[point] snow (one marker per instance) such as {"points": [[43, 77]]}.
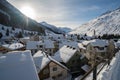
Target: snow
{"points": [[12, 33], [48, 43], [117, 44], [41, 60], [17, 65], [70, 43], [51, 27], [86, 68], [105, 24], [33, 44], [112, 71], [81, 46], [64, 54], [13, 46], [96, 42], [79, 77]]}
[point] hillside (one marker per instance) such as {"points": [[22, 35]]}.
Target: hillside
{"points": [[10, 32], [55, 29], [10, 16], [107, 23]]}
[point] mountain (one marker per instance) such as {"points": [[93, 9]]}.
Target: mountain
{"points": [[11, 16], [65, 29], [107, 23], [54, 28]]}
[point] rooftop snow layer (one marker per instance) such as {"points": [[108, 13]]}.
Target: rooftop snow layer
{"points": [[112, 72], [64, 54], [13, 46], [41, 60], [96, 42], [17, 65]]}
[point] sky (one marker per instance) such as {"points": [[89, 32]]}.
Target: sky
{"points": [[67, 13]]}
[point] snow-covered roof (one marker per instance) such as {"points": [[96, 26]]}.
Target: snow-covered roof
{"points": [[25, 38], [70, 43], [80, 45], [17, 65], [96, 42], [64, 54], [86, 42], [86, 68], [13, 46], [48, 43], [41, 60], [117, 44], [112, 72], [79, 77], [33, 44]]}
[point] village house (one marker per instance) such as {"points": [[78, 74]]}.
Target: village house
{"points": [[98, 49], [50, 69], [12, 47], [17, 65], [49, 46], [70, 57], [34, 46]]}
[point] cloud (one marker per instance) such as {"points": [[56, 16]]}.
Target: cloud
{"points": [[66, 12]]}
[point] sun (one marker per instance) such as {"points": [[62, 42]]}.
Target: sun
{"points": [[28, 11]]}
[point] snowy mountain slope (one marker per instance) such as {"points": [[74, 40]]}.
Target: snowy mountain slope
{"points": [[51, 27], [11, 16], [65, 29], [54, 28], [12, 33], [107, 23]]}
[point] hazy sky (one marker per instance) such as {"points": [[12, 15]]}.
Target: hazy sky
{"points": [[68, 13]]}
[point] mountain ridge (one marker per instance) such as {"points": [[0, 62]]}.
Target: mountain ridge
{"points": [[108, 23], [59, 30]]}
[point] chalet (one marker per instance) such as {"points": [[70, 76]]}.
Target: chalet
{"points": [[99, 48], [50, 69], [49, 46], [70, 57], [34, 46], [69, 43], [12, 47], [17, 65]]}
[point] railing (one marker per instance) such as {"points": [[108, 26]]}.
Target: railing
{"points": [[83, 78]]}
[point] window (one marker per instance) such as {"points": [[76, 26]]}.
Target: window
{"points": [[101, 48], [54, 68]]}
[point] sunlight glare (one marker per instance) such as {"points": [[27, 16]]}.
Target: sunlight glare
{"points": [[28, 11]]}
